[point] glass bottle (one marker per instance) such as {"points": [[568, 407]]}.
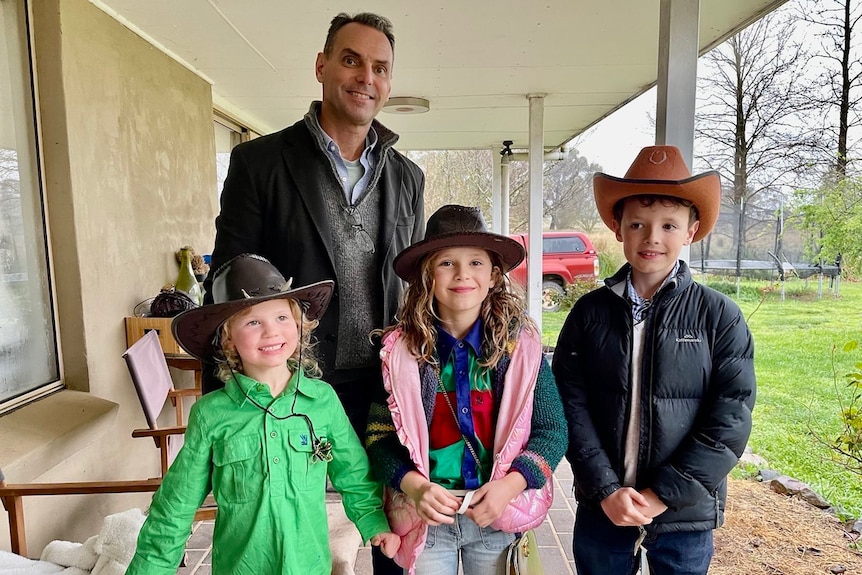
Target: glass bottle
{"points": [[186, 280]]}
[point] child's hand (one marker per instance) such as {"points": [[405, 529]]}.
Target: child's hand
{"points": [[434, 504], [625, 507], [491, 499], [388, 542]]}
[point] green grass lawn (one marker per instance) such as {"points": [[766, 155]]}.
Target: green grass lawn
{"points": [[797, 390]]}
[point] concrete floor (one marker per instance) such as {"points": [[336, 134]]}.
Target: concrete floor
{"points": [[554, 536]]}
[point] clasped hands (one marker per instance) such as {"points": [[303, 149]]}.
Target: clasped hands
{"points": [[627, 507], [436, 505]]}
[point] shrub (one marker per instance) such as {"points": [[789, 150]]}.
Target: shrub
{"points": [[611, 257], [574, 292], [609, 263], [848, 444], [747, 291]]}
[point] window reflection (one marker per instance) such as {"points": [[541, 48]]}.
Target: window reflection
{"points": [[28, 354]]}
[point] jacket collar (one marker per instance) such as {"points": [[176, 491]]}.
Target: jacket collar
{"points": [[617, 282], [386, 138]]}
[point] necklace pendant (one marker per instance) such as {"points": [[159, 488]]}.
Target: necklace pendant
{"points": [[321, 450]]}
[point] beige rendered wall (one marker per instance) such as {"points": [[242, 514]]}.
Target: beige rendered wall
{"points": [[129, 160]]}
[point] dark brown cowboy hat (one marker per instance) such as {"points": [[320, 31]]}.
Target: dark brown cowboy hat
{"points": [[661, 171], [457, 226], [242, 282]]}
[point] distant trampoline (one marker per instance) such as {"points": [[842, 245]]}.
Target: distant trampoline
{"points": [[769, 269]]}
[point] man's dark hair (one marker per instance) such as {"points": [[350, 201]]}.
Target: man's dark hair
{"points": [[379, 23], [646, 200]]}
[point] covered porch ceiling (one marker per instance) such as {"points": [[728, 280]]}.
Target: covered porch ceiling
{"points": [[474, 61]]}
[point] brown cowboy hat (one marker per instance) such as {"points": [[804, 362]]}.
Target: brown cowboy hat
{"points": [[661, 171], [457, 226], [242, 282]]}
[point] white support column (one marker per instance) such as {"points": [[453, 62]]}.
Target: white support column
{"points": [[535, 213], [505, 199], [496, 192], [679, 23]]}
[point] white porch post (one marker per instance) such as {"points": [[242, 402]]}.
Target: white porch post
{"points": [[679, 23], [535, 213], [505, 198], [496, 192]]}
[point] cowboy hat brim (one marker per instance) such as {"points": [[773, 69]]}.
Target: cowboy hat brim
{"points": [[195, 329], [702, 190], [511, 252]]}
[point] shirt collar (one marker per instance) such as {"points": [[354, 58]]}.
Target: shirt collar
{"points": [[333, 149], [312, 119], [241, 386], [445, 342], [641, 304]]}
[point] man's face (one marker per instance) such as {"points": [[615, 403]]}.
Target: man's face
{"points": [[355, 75]]}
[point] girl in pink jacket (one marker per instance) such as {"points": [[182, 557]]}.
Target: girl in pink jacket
{"points": [[473, 425]]}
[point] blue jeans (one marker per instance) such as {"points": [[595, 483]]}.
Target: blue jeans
{"points": [[482, 549], [602, 548]]}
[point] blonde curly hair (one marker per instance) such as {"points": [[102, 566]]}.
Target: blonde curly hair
{"points": [[503, 314], [229, 362]]}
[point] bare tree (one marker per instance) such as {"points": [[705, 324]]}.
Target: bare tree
{"points": [[835, 22], [568, 195], [456, 177], [750, 123], [464, 177], [832, 210], [11, 220]]}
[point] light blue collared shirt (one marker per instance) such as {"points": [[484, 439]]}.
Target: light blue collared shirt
{"points": [[368, 160]]}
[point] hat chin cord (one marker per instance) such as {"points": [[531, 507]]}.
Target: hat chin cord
{"points": [[321, 449]]}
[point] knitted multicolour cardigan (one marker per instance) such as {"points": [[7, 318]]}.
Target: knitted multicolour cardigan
{"points": [[536, 420], [547, 445]]}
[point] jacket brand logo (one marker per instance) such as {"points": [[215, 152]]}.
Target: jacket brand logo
{"points": [[303, 439], [688, 338]]}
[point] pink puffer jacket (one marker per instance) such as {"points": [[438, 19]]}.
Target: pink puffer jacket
{"points": [[401, 380]]}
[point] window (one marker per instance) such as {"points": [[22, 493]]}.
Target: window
{"points": [[567, 245], [29, 364], [228, 134]]}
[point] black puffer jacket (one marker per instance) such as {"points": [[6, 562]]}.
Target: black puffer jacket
{"points": [[697, 393]]}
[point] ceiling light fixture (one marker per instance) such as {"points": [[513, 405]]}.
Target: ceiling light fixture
{"points": [[407, 105]]}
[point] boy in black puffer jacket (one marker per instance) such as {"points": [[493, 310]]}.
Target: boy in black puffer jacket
{"points": [[656, 373]]}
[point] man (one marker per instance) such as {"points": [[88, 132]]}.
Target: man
{"points": [[329, 198]]}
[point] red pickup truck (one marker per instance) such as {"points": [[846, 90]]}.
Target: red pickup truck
{"points": [[566, 257]]}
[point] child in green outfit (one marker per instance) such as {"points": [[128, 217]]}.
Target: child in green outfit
{"points": [[266, 442]]}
